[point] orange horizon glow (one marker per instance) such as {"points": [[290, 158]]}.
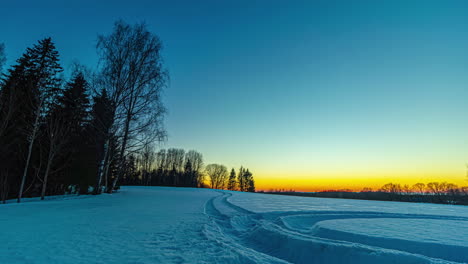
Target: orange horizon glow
{"points": [[312, 184]]}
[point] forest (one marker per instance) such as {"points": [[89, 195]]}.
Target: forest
{"points": [[88, 130]]}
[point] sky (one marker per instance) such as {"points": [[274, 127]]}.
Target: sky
{"points": [[309, 95]]}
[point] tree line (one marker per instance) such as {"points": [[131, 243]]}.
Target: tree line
{"points": [[432, 192], [62, 135], [176, 167]]}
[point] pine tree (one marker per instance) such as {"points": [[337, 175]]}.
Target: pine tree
{"points": [[250, 181], [232, 180], [74, 103], [188, 173], [40, 67], [74, 106], [241, 179]]}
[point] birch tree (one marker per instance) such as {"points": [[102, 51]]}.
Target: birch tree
{"points": [[133, 74]]}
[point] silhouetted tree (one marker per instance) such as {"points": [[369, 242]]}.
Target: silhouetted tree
{"points": [[133, 74], [250, 181], [188, 174], [41, 67], [217, 174], [57, 131], [419, 187], [241, 180], [196, 160], [232, 180], [147, 157], [103, 139]]}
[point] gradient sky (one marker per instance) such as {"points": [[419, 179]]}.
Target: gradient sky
{"points": [[307, 94]]}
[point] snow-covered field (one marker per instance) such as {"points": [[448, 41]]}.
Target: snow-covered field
{"points": [[184, 225]]}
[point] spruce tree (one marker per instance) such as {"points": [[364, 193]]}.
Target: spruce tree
{"points": [[188, 174], [250, 183], [241, 179], [74, 103], [74, 106], [232, 180], [41, 69]]}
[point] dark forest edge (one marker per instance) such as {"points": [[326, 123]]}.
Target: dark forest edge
{"points": [[432, 192], [96, 129], [177, 168]]}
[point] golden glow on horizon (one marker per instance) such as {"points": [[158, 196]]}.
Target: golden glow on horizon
{"points": [[355, 183]]}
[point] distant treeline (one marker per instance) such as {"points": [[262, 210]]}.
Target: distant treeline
{"points": [[433, 192], [176, 167]]}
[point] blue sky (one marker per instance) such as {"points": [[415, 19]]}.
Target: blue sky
{"points": [[292, 89]]}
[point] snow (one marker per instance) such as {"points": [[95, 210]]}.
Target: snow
{"points": [[186, 225]]}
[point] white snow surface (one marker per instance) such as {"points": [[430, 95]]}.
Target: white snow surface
{"points": [[186, 225]]}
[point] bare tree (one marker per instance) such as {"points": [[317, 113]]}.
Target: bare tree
{"points": [[147, 158], [218, 175], [133, 74], [437, 188], [175, 163], [391, 188], [419, 187]]}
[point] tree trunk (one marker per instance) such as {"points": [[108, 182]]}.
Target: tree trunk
{"points": [[4, 187], [44, 183], [102, 168], [122, 155], [28, 158]]}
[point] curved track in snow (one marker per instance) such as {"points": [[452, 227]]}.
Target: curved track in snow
{"points": [[316, 236]]}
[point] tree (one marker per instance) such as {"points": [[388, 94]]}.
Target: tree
{"points": [[196, 160], [133, 73], [188, 173], [147, 157], [78, 154], [57, 132], [241, 179], [250, 181], [406, 189], [75, 104], [436, 188], [232, 180], [41, 66], [100, 131], [419, 187], [218, 175]]}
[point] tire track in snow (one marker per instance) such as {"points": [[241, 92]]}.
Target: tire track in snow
{"points": [[273, 235]]}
